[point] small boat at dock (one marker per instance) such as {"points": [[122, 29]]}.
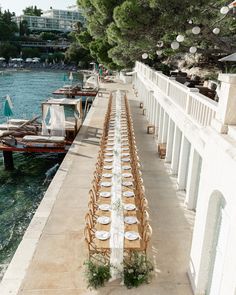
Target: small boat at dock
{"points": [[55, 133]]}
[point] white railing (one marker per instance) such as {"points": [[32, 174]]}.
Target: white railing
{"points": [[199, 107]]}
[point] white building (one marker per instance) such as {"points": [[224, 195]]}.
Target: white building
{"points": [[200, 138], [53, 20]]}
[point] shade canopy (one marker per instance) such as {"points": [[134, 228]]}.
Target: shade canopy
{"points": [[231, 57], [7, 111]]}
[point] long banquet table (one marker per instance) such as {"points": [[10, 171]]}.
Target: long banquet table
{"points": [[118, 216]]}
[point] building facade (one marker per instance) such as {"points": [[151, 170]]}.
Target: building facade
{"points": [[200, 138], [53, 20]]}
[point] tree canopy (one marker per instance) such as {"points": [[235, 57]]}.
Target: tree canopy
{"points": [[8, 28], [32, 10], [118, 32]]}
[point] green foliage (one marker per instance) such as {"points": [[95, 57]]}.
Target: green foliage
{"points": [[32, 10], [8, 50], [131, 27], [77, 55], [48, 36], [8, 28], [97, 273], [137, 270], [30, 52], [24, 30]]}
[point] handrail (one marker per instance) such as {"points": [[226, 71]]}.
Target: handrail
{"points": [[199, 107]]}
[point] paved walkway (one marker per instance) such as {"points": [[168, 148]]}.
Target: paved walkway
{"points": [[57, 264]]}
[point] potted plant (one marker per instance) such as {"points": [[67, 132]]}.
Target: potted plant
{"points": [[97, 272], [137, 270]]}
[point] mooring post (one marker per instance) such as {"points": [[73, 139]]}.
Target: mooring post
{"points": [[8, 160]]}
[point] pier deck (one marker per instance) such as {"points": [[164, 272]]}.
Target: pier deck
{"points": [[49, 261]]}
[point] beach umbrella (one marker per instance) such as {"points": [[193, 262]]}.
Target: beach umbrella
{"points": [[7, 109], [71, 76], [231, 57], [2, 59], [228, 58], [29, 59]]}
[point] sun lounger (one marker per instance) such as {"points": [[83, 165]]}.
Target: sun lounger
{"points": [[44, 139]]}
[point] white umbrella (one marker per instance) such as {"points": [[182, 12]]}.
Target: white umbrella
{"points": [[19, 59], [29, 59], [71, 76], [2, 59], [231, 57]]}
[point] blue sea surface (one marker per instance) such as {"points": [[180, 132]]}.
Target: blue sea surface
{"points": [[22, 190]]}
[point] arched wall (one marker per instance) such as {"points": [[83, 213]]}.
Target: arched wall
{"points": [[216, 192]]}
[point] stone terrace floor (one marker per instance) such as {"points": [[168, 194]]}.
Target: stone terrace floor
{"points": [[57, 264]]}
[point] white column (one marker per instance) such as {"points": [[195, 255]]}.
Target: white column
{"points": [[160, 125], [194, 171], [154, 108], [145, 95], [165, 128], [170, 138], [148, 105], [183, 163], [225, 114], [157, 115], [176, 150]]}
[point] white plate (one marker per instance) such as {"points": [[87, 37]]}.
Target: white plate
{"points": [[127, 183], [132, 235], [125, 149], [102, 235], [110, 144], [126, 167], [106, 184], [128, 194], [105, 207], [107, 175], [107, 167], [108, 154], [108, 160], [130, 219], [105, 194], [109, 149], [125, 154], [125, 160], [129, 207], [107, 220], [126, 175]]}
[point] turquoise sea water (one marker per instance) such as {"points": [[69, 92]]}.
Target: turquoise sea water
{"points": [[22, 189]]}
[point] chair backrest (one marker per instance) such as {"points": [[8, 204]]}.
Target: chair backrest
{"points": [[147, 233], [89, 220], [87, 234]]}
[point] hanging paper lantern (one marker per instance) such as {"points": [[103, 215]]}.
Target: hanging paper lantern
{"points": [[190, 21], [193, 49], [196, 30], [180, 38], [160, 44], [175, 45], [224, 10], [216, 31], [144, 56], [159, 52]]}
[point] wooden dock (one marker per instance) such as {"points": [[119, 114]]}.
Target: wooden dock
{"points": [[73, 92]]}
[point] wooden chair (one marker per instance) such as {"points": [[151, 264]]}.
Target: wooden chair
{"points": [[147, 233]]}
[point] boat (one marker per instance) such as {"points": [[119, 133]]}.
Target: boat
{"points": [[55, 133]]}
